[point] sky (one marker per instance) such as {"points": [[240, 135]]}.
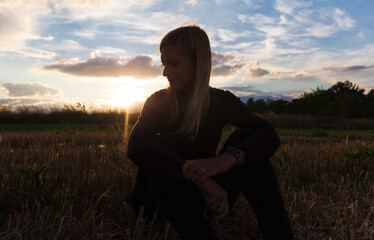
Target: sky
{"points": [[103, 53]]}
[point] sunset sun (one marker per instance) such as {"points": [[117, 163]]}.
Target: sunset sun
{"points": [[126, 96]]}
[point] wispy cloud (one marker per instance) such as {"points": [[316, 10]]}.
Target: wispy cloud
{"points": [[354, 68], [21, 101], [192, 2], [140, 66], [226, 35], [31, 52], [257, 18], [243, 90], [109, 50], [288, 6], [342, 19], [86, 33]]}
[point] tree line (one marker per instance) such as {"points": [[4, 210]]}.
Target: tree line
{"points": [[343, 100]]}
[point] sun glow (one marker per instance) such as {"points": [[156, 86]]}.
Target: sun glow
{"points": [[126, 96]]}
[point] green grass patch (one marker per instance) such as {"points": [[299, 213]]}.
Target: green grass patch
{"points": [[328, 133], [60, 128]]}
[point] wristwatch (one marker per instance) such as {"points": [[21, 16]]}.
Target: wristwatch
{"points": [[237, 153]]}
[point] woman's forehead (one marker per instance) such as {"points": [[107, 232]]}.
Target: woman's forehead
{"points": [[171, 51]]}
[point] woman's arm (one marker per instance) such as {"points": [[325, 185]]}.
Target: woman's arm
{"points": [[261, 143], [215, 197], [144, 148], [264, 140]]}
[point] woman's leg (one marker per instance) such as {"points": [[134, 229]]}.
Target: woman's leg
{"points": [[182, 204], [142, 197], [179, 200], [259, 185]]}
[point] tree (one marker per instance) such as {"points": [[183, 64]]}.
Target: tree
{"points": [[259, 105], [343, 99]]}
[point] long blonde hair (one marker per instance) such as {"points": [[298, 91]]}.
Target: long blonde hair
{"points": [[194, 42]]}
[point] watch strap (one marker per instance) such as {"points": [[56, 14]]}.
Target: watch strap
{"points": [[237, 153]]}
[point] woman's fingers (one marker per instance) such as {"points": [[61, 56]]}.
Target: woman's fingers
{"points": [[195, 171], [202, 178], [221, 210], [199, 170], [186, 166], [219, 206], [197, 175]]}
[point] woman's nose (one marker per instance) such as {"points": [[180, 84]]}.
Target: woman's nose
{"points": [[165, 72]]}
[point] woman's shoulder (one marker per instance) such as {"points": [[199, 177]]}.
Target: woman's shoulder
{"points": [[158, 97], [160, 94], [156, 101], [222, 95]]}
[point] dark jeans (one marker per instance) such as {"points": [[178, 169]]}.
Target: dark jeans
{"points": [[182, 204]]}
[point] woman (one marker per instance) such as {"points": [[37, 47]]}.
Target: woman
{"points": [[175, 140]]}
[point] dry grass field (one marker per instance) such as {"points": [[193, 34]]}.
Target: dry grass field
{"points": [[56, 185]]}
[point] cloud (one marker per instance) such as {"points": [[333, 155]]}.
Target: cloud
{"points": [[27, 89], [320, 30], [293, 31], [304, 74], [257, 18], [17, 27], [255, 71], [64, 46], [226, 35], [241, 91], [40, 6], [140, 66], [20, 101], [259, 72], [252, 3], [288, 6], [97, 9], [192, 2], [353, 68], [342, 19], [107, 50], [245, 88], [225, 70], [35, 53], [223, 64], [220, 58], [18, 22], [88, 33]]}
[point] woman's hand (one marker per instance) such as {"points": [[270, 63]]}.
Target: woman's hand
{"points": [[199, 170], [215, 197]]}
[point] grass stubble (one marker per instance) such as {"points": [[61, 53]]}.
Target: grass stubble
{"points": [[72, 186]]}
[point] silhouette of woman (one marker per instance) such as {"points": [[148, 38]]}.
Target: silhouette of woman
{"points": [[174, 144]]}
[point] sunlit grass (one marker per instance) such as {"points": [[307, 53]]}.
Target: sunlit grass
{"points": [[72, 186]]}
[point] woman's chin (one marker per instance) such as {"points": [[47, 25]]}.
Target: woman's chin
{"points": [[175, 88], [180, 88]]}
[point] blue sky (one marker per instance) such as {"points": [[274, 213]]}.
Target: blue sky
{"points": [[103, 53]]}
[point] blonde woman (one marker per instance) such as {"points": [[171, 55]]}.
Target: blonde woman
{"points": [[175, 140]]}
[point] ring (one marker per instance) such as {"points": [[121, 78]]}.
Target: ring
{"points": [[202, 170]]}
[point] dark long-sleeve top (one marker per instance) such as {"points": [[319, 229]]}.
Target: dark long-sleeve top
{"points": [[224, 108]]}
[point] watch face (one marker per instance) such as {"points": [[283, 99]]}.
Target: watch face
{"points": [[235, 151]]}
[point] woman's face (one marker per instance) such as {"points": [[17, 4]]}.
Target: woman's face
{"points": [[178, 68]]}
